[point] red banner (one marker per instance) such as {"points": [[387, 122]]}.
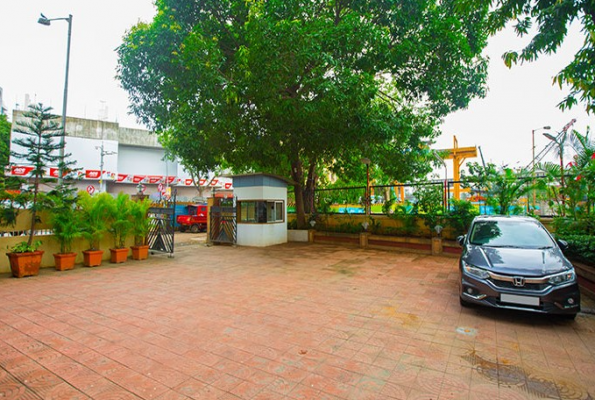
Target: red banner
{"points": [[154, 178], [21, 171], [92, 174], [122, 177], [138, 178]]}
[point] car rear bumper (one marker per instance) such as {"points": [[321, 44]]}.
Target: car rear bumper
{"points": [[564, 299]]}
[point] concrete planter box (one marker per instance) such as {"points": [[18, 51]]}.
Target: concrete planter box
{"points": [[586, 278], [400, 243], [337, 237], [297, 235], [410, 244]]}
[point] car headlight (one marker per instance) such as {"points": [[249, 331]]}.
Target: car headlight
{"points": [[564, 277], [475, 271]]}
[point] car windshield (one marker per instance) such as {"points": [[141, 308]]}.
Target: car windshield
{"points": [[511, 233]]}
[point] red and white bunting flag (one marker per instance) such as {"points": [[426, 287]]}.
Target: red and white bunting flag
{"points": [[18, 170], [138, 178], [92, 174]]}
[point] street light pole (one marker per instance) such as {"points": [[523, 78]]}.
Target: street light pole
{"points": [[103, 153], [43, 20], [560, 144], [547, 127]]}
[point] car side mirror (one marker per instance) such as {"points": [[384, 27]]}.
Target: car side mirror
{"points": [[563, 244], [461, 240]]}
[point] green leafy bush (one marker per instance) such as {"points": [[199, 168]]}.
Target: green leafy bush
{"points": [[580, 248], [141, 223], [93, 217], [25, 247], [460, 215]]}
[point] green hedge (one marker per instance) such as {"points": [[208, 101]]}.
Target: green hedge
{"points": [[580, 248]]}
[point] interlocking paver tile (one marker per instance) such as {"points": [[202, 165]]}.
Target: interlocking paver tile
{"points": [[295, 321]]}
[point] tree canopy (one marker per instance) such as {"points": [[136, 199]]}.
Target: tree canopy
{"points": [[552, 20], [290, 86]]}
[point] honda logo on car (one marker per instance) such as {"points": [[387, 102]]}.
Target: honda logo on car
{"points": [[518, 281]]}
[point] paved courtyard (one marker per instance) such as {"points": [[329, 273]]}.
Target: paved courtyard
{"points": [[295, 321]]}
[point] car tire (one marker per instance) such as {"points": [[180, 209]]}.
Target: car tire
{"points": [[568, 317], [182, 229], [194, 228]]}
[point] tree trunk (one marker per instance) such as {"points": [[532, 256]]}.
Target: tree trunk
{"points": [[297, 174], [310, 189], [33, 211]]}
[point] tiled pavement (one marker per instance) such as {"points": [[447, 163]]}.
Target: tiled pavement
{"points": [[294, 321]]}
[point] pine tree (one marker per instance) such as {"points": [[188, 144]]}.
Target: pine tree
{"points": [[38, 146]]}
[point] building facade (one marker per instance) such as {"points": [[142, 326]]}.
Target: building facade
{"points": [[116, 159]]}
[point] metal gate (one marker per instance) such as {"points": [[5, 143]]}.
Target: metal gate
{"points": [[163, 218], [223, 221]]}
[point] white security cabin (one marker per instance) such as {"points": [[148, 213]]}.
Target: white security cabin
{"points": [[261, 209]]}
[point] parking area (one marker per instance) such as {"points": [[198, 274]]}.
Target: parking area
{"points": [[295, 321]]}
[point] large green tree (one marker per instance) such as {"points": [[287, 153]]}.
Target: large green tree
{"points": [[548, 21], [290, 86]]}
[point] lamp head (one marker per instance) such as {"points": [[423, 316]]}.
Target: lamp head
{"points": [[550, 137], [547, 127], [365, 160], [43, 20]]}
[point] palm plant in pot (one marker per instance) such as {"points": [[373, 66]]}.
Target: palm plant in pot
{"points": [[141, 224], [35, 146], [119, 225], [93, 210], [66, 225]]}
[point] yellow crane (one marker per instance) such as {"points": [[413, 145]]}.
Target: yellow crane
{"points": [[458, 155]]}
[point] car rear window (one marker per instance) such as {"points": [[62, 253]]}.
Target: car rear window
{"points": [[510, 234]]}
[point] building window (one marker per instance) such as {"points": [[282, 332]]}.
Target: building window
{"points": [[261, 211]]}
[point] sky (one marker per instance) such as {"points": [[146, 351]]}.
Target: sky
{"points": [[33, 59]]}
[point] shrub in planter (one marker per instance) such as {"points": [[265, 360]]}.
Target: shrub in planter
{"points": [[66, 225], [93, 211], [580, 248], [141, 224], [460, 216], [119, 225], [34, 144], [25, 259]]}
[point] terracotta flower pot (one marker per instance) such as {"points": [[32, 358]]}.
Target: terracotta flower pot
{"points": [[64, 261], [140, 252], [92, 258], [25, 264], [118, 255]]}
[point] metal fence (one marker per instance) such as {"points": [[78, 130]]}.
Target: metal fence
{"points": [[352, 200]]}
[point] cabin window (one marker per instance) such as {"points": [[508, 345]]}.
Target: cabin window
{"points": [[262, 211]]}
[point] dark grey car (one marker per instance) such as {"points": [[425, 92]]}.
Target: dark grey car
{"points": [[513, 262]]}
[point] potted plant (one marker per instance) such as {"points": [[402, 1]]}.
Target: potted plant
{"points": [[36, 146], [93, 211], [141, 224], [25, 259], [119, 225], [67, 227]]}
